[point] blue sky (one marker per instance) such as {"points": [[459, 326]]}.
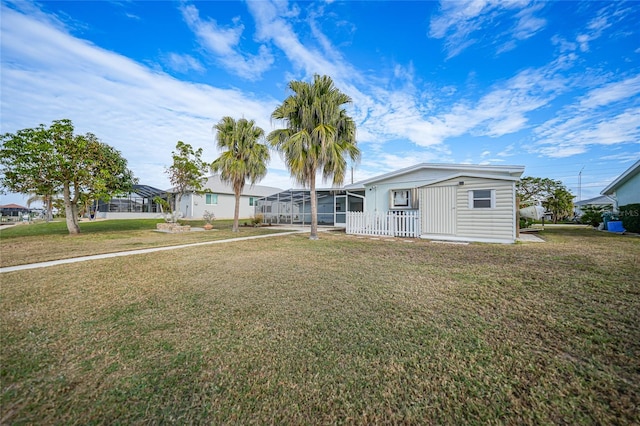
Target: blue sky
{"points": [[553, 86]]}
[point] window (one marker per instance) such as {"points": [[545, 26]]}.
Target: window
{"points": [[211, 199], [252, 201], [482, 199], [400, 199]]}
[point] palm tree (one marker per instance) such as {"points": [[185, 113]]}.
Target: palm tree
{"points": [[243, 157], [47, 202], [318, 135]]}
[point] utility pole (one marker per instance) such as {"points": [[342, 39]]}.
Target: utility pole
{"points": [[580, 184]]}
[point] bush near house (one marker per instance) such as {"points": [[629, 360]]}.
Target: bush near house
{"points": [[592, 215], [630, 215]]}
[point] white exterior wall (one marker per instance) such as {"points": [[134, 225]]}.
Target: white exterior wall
{"points": [[629, 192], [377, 194], [193, 206], [495, 224]]}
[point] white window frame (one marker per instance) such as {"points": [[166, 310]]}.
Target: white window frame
{"points": [[252, 201], [473, 198], [407, 196], [211, 197]]}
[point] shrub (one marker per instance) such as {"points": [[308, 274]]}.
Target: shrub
{"points": [[630, 215], [257, 220], [208, 216], [592, 215], [525, 223]]}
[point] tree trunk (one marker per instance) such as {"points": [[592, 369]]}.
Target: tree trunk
{"points": [[314, 208], [236, 213], [49, 204], [71, 211]]}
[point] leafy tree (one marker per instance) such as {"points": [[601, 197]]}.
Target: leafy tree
{"points": [[186, 172], [535, 190], [550, 193], [51, 160], [243, 157], [559, 203], [318, 135]]}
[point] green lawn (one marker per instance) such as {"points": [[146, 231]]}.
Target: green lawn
{"points": [[42, 242], [340, 330]]}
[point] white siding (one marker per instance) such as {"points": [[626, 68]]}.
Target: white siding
{"points": [[496, 224], [223, 210], [438, 207]]}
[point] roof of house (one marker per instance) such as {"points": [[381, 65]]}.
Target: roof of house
{"points": [[622, 179], [598, 201], [457, 170], [215, 184], [13, 206]]}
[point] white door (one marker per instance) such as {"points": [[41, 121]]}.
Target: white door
{"points": [[439, 210]]}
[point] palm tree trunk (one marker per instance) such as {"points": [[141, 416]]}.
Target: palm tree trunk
{"points": [[314, 208], [236, 213]]}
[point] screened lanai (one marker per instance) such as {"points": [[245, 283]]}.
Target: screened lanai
{"points": [[293, 207], [140, 200]]}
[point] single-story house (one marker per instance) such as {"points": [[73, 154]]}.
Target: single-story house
{"points": [[625, 189], [220, 199], [14, 212], [603, 201], [455, 202]]}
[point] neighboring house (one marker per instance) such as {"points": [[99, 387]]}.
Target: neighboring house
{"points": [[626, 188], [219, 199], [455, 202], [13, 212], [604, 201], [138, 204]]}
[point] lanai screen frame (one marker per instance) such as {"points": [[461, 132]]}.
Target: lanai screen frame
{"points": [[293, 206]]}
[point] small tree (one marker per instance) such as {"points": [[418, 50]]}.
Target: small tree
{"points": [[559, 203], [47, 161], [592, 215], [186, 172], [244, 157]]}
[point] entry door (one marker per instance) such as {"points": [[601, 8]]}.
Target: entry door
{"points": [[340, 209], [439, 210]]}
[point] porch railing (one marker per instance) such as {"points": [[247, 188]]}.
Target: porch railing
{"points": [[393, 224]]}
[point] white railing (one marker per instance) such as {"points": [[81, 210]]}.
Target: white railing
{"points": [[393, 224]]}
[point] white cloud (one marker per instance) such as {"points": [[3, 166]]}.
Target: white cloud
{"points": [[457, 21], [183, 63], [223, 43], [140, 112], [272, 26], [606, 115], [612, 92]]}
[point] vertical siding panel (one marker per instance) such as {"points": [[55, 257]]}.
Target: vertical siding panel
{"points": [[439, 210]]}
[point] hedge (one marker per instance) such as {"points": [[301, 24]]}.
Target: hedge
{"points": [[630, 216]]}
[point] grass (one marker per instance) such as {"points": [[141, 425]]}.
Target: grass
{"points": [[42, 242], [340, 330]]}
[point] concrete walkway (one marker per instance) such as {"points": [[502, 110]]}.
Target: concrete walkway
{"points": [[140, 251]]}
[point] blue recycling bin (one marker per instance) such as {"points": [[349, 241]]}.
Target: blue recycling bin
{"points": [[608, 217], [615, 226]]}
